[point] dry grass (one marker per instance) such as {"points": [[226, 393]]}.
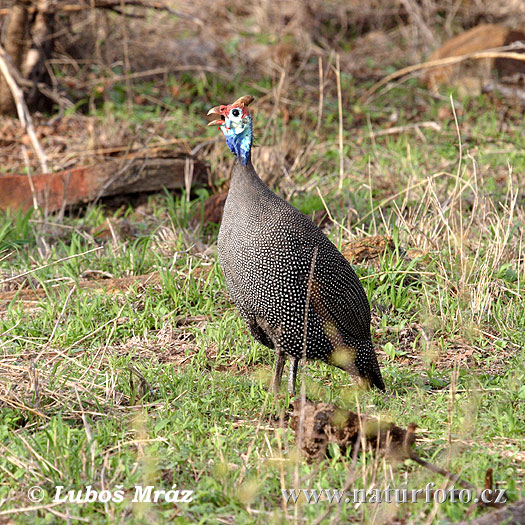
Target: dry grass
{"points": [[134, 356]]}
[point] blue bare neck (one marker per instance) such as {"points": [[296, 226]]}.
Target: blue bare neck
{"points": [[240, 144]]}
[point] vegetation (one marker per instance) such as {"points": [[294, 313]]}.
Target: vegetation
{"points": [[113, 380]]}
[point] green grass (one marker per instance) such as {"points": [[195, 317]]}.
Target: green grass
{"points": [[162, 385]]}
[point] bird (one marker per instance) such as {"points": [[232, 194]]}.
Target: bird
{"points": [[297, 293]]}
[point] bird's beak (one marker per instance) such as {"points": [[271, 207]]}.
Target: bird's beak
{"points": [[216, 112]]}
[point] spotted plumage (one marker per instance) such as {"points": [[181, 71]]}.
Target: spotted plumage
{"points": [[268, 250]]}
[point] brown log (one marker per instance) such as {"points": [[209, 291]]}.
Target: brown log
{"points": [[510, 514], [80, 185]]}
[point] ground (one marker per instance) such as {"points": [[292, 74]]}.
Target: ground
{"points": [[125, 364]]}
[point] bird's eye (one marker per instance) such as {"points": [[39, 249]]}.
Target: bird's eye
{"points": [[235, 112]]}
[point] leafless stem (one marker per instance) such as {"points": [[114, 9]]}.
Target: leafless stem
{"points": [[501, 52], [51, 264], [112, 5], [300, 430], [340, 109], [7, 68]]}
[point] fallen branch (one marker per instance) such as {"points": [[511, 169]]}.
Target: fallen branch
{"points": [[47, 265], [410, 438], [9, 71], [45, 90], [506, 91], [401, 129], [148, 73], [113, 5], [511, 513]]}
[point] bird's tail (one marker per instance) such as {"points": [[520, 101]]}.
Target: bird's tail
{"points": [[359, 358], [367, 364]]}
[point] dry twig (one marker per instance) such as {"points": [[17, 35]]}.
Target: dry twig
{"points": [[7, 68], [493, 53], [113, 5]]}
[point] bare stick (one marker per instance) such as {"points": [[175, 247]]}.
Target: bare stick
{"points": [[7, 68], [445, 473], [401, 129], [44, 89], [149, 73], [73, 289], [506, 91], [50, 264], [112, 4], [430, 466], [442, 62], [21, 510], [30, 178], [340, 110], [300, 430]]}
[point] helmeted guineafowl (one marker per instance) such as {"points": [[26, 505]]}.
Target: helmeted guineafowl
{"points": [[276, 261]]}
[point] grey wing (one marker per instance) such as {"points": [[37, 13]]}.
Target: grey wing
{"points": [[258, 333], [343, 298], [342, 293]]}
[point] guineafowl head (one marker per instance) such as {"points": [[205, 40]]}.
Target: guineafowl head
{"points": [[235, 121]]}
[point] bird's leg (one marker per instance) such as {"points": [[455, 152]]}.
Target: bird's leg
{"points": [[292, 376], [278, 371]]}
